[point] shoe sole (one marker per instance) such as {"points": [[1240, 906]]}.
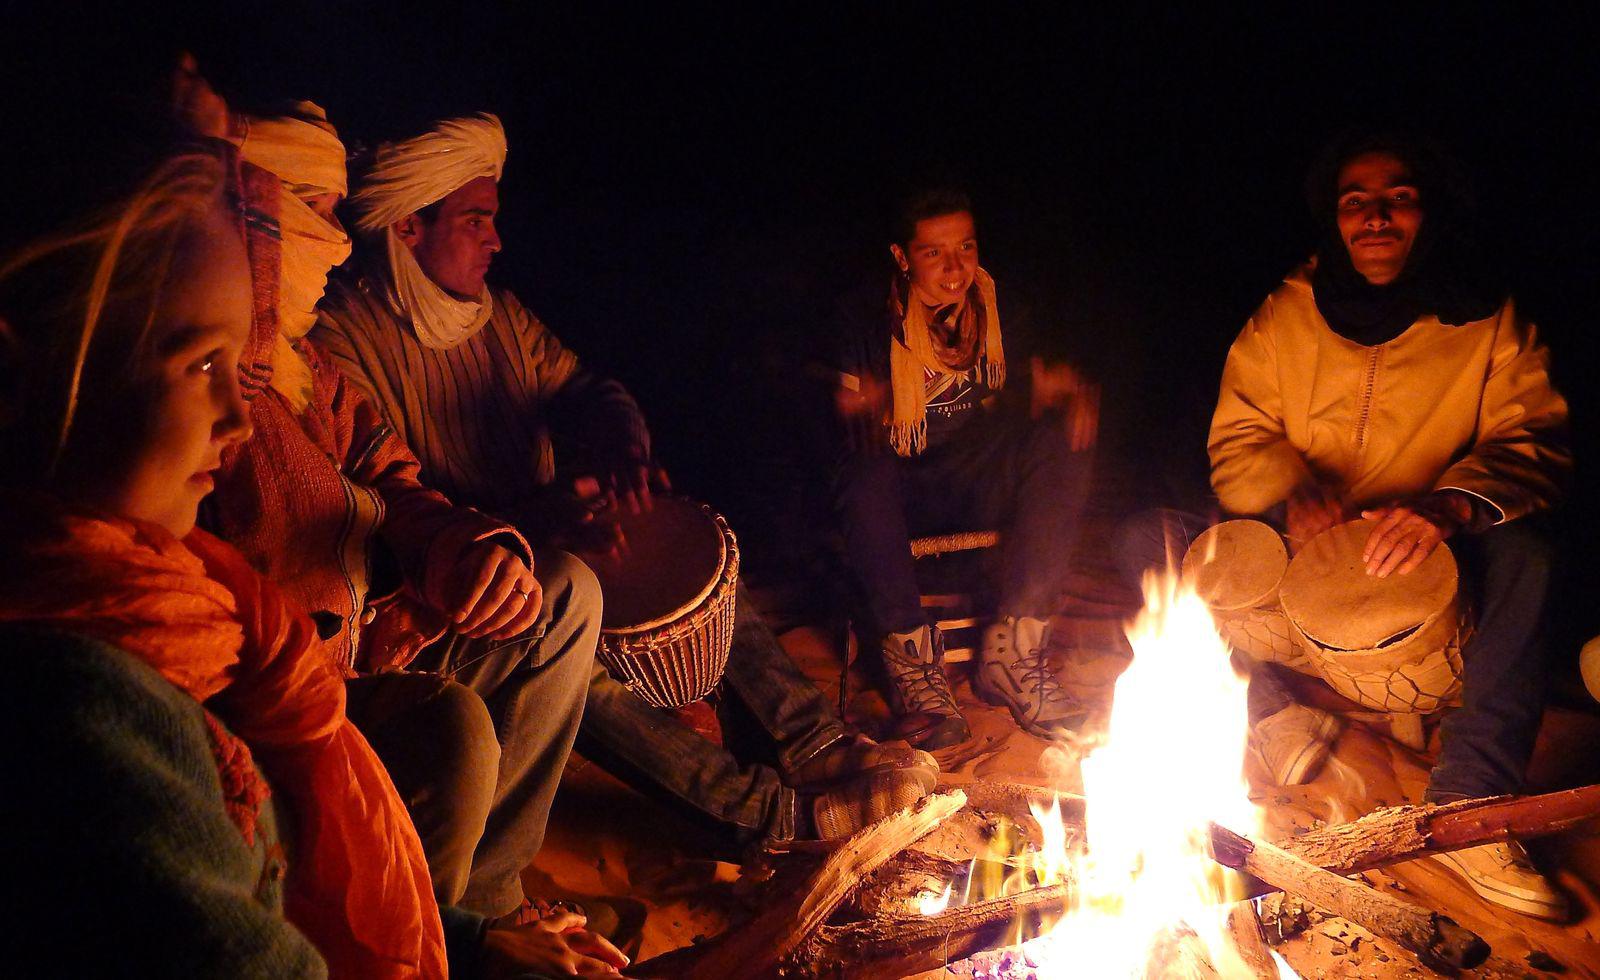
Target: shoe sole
{"points": [[950, 731], [1486, 890]]}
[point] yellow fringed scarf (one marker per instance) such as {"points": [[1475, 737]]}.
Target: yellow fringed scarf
{"points": [[914, 351]]}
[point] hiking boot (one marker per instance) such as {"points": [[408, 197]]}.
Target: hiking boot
{"points": [[850, 756], [919, 693], [867, 799], [1294, 743], [1503, 875], [1014, 672]]}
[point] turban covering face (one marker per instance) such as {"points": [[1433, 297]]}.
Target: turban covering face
{"points": [[303, 150], [408, 176]]}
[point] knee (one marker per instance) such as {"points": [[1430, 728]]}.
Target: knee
{"points": [[1519, 549], [570, 586], [458, 724], [864, 476]]}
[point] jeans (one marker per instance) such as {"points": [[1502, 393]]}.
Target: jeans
{"points": [[1487, 742], [1505, 573], [476, 734], [1004, 473], [656, 754]]}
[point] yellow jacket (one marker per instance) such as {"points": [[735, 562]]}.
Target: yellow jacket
{"points": [[1468, 407]]}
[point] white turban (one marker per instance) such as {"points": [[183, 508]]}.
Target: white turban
{"points": [[408, 176]]}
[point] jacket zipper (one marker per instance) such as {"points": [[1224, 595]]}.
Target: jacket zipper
{"points": [[1367, 385]]}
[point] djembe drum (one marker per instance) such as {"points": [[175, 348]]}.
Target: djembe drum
{"points": [[1236, 567], [1392, 644], [669, 601]]}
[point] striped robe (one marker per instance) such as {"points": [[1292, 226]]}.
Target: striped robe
{"points": [[478, 416]]}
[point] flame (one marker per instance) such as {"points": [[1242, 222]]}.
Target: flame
{"points": [[930, 904], [1172, 763], [1285, 971]]}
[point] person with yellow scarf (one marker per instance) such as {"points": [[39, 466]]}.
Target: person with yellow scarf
{"points": [[931, 447]]}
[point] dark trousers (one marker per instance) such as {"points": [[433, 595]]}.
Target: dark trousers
{"points": [[999, 472], [1505, 573], [655, 753], [477, 733]]}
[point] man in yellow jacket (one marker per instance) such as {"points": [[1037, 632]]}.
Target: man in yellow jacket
{"points": [[1388, 378]]}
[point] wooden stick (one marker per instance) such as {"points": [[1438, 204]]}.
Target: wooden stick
{"points": [[1244, 927], [1437, 939], [757, 948], [1396, 834]]}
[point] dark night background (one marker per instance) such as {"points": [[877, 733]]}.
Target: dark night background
{"points": [[689, 190]]}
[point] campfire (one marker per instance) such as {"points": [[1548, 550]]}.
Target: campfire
{"points": [[1148, 872], [1171, 767]]}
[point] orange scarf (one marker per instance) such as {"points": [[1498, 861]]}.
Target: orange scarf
{"points": [[194, 611]]}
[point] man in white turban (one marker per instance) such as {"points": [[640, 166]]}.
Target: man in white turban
{"points": [[475, 384], [324, 498]]}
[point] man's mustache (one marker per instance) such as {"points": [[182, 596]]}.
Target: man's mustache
{"points": [[1376, 236]]}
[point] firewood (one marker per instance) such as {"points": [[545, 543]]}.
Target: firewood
{"points": [[1396, 834], [895, 946], [762, 945], [1435, 938], [1249, 941]]}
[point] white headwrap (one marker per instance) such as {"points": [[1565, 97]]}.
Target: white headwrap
{"points": [[408, 176]]}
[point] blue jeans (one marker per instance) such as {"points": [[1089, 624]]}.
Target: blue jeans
{"points": [[476, 735], [656, 754], [1505, 572], [1003, 473]]}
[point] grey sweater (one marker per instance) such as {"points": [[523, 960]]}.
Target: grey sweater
{"points": [[119, 857]]}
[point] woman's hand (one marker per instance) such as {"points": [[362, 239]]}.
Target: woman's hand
{"points": [[491, 592], [557, 945]]}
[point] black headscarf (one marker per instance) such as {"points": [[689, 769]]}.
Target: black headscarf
{"points": [[1444, 275]]}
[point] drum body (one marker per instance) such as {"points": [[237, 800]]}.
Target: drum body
{"points": [[1236, 567], [669, 602], [1392, 644]]}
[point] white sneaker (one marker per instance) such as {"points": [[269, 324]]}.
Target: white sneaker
{"points": [[1294, 743], [1504, 875]]}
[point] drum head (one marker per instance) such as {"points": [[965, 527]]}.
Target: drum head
{"points": [[670, 561], [1236, 564], [1330, 596]]}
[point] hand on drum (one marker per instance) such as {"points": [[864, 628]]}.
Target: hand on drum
{"points": [[1312, 508], [491, 592], [630, 484], [1408, 532]]}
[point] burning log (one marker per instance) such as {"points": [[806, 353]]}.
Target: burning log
{"points": [[762, 945], [898, 945], [1396, 834], [1435, 938]]}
